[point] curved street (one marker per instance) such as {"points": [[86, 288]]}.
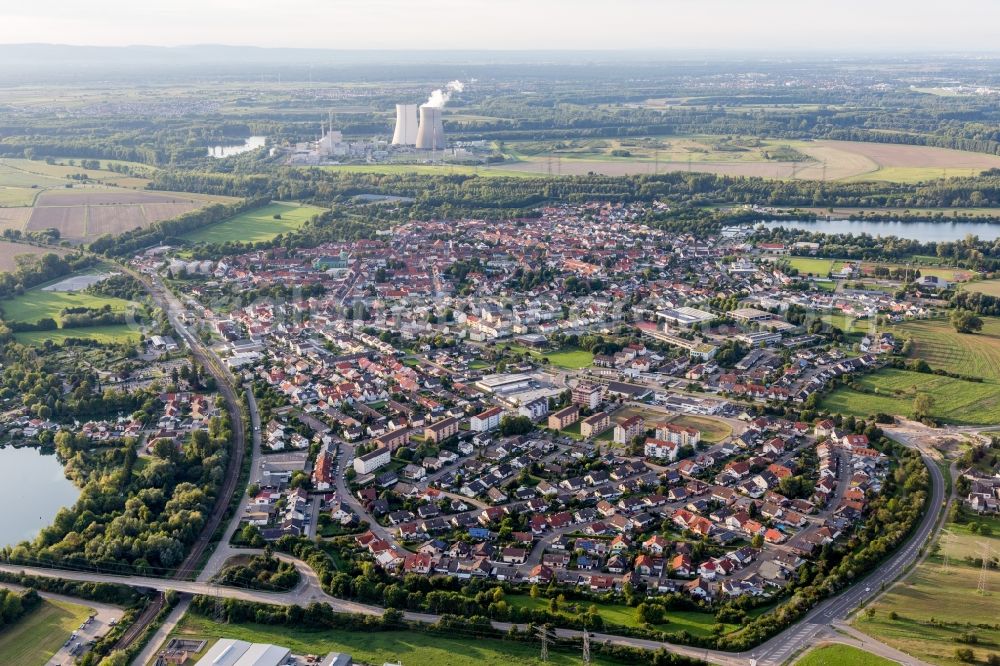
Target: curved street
{"points": [[819, 625]]}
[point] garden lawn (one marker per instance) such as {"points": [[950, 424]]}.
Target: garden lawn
{"points": [[570, 358], [572, 431], [842, 655], [379, 647], [846, 323], [36, 637], [956, 401], [256, 225]]}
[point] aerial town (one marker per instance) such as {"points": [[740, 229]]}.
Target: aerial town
{"points": [[418, 394], [508, 335]]}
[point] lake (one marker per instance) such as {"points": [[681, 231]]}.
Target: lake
{"points": [[32, 494], [252, 143], [921, 231]]}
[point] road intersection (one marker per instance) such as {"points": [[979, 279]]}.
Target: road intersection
{"points": [[822, 623]]}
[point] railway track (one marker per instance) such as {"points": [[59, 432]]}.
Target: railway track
{"points": [[141, 622], [189, 568]]}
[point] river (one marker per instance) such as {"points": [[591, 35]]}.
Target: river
{"points": [[251, 143], [32, 494], [921, 231]]}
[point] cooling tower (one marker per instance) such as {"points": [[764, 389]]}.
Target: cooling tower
{"points": [[430, 136], [406, 125]]}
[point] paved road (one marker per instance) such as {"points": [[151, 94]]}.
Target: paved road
{"points": [[796, 638], [838, 608], [159, 637], [344, 494], [815, 627]]}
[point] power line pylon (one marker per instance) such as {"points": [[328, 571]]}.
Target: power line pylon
{"points": [[981, 584], [586, 648], [220, 609]]}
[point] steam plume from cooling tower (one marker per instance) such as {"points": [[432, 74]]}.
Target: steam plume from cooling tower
{"points": [[440, 97]]}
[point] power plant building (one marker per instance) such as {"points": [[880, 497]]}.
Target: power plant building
{"points": [[430, 135], [406, 125]]}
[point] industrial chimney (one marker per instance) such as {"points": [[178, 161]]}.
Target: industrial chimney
{"points": [[406, 125], [430, 136]]}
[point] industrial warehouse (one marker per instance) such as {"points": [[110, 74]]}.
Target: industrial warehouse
{"points": [[233, 652]]}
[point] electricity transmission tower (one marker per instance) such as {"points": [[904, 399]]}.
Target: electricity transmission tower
{"points": [[220, 609], [544, 636], [981, 585], [586, 648]]}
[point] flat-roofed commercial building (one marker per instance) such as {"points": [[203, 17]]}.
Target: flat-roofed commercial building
{"points": [[504, 383], [231, 652], [748, 315], [685, 317]]}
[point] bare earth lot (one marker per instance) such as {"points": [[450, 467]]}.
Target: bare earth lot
{"points": [[71, 221], [14, 218], [9, 251], [106, 198]]}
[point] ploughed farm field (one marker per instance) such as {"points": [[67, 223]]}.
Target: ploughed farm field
{"points": [[780, 159], [35, 196], [766, 158], [10, 252]]}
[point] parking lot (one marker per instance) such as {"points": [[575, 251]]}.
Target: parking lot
{"points": [[102, 619]]}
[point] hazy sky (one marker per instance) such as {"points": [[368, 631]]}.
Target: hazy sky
{"points": [[915, 25]]}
